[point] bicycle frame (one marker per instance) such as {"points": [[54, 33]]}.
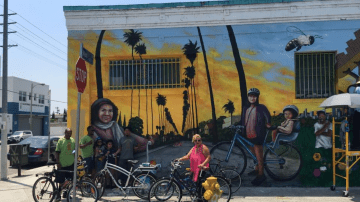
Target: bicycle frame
{"points": [[245, 143]]}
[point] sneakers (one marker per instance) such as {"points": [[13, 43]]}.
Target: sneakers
{"points": [[253, 173], [258, 180]]}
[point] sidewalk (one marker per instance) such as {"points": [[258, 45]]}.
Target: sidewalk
{"points": [[19, 189]]}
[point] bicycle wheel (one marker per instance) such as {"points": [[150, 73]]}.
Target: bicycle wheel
{"points": [[43, 189], [85, 191], [233, 177], [166, 189], [224, 186], [143, 181], [283, 163], [237, 160], [99, 181]]}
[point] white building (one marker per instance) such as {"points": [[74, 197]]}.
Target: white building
{"points": [[19, 105]]}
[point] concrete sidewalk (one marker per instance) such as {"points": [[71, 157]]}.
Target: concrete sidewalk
{"points": [[19, 189]]}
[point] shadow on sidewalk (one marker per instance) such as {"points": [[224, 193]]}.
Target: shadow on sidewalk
{"points": [[19, 183]]}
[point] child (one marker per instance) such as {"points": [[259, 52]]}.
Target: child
{"points": [[99, 153], [111, 154], [286, 127]]}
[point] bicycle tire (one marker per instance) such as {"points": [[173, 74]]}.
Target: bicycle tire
{"points": [[161, 187], [47, 183], [233, 177], [100, 181], [149, 179], [237, 160], [289, 168], [88, 192]]}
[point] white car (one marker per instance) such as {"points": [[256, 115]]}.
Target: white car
{"points": [[17, 136]]}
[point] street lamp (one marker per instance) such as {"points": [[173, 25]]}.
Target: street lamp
{"points": [[31, 101]]}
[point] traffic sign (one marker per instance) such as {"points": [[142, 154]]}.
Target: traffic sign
{"points": [[87, 56], [80, 75]]}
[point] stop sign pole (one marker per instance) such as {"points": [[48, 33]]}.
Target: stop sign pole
{"points": [[80, 80]]}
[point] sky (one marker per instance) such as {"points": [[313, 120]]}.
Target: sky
{"points": [[41, 36]]}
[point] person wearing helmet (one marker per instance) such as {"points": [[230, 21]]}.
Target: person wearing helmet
{"points": [[99, 149], [256, 119], [290, 112]]}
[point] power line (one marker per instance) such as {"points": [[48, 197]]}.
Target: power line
{"points": [[38, 97]]}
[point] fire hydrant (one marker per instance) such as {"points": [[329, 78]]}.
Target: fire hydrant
{"points": [[212, 187]]}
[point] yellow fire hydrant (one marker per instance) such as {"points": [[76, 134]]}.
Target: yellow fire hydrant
{"points": [[212, 187]]}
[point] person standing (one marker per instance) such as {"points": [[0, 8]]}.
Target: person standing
{"points": [[127, 147], [323, 131], [256, 119], [64, 158], [87, 150], [355, 143]]}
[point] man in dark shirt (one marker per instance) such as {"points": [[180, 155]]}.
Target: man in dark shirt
{"points": [[127, 147]]}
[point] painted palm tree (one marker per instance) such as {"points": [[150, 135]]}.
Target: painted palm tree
{"points": [[214, 131], [190, 73], [191, 50], [140, 49], [98, 65], [185, 108], [158, 102], [187, 84], [229, 107], [239, 67], [131, 39]]}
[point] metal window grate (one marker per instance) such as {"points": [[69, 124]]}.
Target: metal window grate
{"points": [[152, 73], [314, 74]]}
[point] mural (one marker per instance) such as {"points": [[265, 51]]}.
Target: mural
{"points": [[182, 81]]}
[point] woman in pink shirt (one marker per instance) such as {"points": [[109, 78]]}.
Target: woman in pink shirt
{"points": [[199, 157]]}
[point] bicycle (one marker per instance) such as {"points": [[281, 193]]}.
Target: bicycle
{"points": [[45, 189], [167, 188], [229, 173], [282, 160], [140, 182]]}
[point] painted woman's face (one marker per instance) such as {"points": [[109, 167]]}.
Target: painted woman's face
{"points": [[106, 113], [252, 99]]}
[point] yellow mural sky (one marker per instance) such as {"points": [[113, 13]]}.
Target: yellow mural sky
{"points": [[275, 94]]}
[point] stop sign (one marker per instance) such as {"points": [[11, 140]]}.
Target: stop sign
{"points": [[80, 75]]}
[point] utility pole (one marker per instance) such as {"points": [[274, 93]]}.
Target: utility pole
{"points": [[4, 94]]}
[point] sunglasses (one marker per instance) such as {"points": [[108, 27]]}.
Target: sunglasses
{"points": [[198, 140]]}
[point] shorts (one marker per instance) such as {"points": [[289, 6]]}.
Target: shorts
{"points": [[61, 176], [89, 163]]}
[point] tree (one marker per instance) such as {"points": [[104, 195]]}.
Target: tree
{"points": [[65, 116], [191, 50], [239, 67], [98, 65], [124, 124], [53, 115], [190, 73], [229, 107], [141, 50], [214, 131], [137, 125], [119, 121], [185, 109]]}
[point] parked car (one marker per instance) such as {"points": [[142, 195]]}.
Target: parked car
{"points": [[39, 148], [18, 136]]}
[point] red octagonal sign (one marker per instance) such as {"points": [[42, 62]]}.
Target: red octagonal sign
{"points": [[80, 75]]}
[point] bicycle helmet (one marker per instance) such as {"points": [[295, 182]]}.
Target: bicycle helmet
{"points": [[254, 91], [294, 110]]}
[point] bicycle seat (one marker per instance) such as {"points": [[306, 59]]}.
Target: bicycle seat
{"points": [[281, 137], [133, 161]]}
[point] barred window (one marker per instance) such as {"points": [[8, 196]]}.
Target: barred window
{"points": [[22, 96], [314, 74], [153, 73]]}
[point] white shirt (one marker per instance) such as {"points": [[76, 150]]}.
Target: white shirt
{"points": [[357, 91], [322, 140]]}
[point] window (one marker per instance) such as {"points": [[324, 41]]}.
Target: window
{"points": [[154, 73], [22, 96], [34, 96], [41, 99], [314, 74]]}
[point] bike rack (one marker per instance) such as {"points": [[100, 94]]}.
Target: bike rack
{"points": [[345, 155]]}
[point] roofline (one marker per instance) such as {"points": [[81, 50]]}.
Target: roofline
{"points": [[176, 4]]}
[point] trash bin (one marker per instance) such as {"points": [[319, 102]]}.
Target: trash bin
{"points": [[19, 154]]}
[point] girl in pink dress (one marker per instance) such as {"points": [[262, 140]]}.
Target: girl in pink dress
{"points": [[199, 157]]}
